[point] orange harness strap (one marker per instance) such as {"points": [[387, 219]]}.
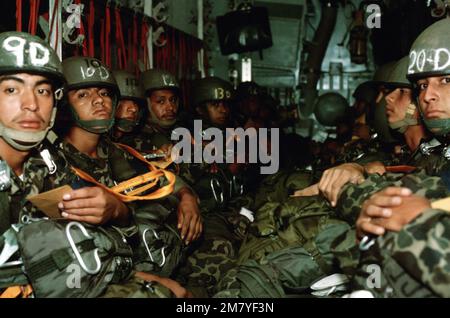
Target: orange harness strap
{"points": [[17, 291], [149, 180]]}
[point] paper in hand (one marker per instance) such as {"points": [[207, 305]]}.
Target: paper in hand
{"points": [[48, 201]]}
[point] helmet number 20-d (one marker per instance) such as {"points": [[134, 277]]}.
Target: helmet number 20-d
{"points": [[38, 54], [92, 68], [220, 93]]}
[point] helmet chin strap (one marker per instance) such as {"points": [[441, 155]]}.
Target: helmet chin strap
{"points": [[409, 120], [153, 119], [24, 140], [438, 126], [125, 125], [98, 126]]}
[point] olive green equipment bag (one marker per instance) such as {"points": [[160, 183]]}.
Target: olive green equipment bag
{"points": [[63, 258]]}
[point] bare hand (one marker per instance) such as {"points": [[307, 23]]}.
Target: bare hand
{"points": [[379, 206], [335, 178], [375, 167], [189, 219], [307, 192], [93, 205]]}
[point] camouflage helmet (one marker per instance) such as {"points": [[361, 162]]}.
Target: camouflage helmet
{"points": [[247, 89], [156, 79], [397, 78], [330, 109], [22, 52], [430, 52], [84, 72], [129, 86], [212, 89]]}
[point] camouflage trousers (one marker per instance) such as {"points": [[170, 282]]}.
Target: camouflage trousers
{"points": [[212, 256]]}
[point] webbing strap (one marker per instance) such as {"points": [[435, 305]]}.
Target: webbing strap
{"points": [[16, 291], [19, 15], [91, 22], [149, 180]]}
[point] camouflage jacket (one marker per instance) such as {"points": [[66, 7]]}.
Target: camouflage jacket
{"points": [[413, 262], [14, 207], [149, 139]]}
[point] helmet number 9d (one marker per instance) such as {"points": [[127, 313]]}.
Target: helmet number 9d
{"points": [[38, 55], [220, 93], [93, 67]]}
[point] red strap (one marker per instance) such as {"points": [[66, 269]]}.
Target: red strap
{"points": [[107, 59], [135, 43], [400, 169], [91, 22], [19, 15], [120, 42], [102, 37], [34, 13], [144, 37]]}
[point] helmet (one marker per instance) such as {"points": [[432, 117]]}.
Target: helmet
{"points": [[330, 109], [158, 79], [25, 53], [247, 89], [397, 78], [430, 56], [430, 52], [84, 72], [377, 117], [212, 89], [366, 91], [130, 88]]}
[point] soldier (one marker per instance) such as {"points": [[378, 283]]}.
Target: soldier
{"points": [[412, 247], [220, 190], [31, 84], [92, 103], [130, 108]]}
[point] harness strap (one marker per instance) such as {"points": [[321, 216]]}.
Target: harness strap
{"points": [[149, 180], [16, 291], [19, 15]]}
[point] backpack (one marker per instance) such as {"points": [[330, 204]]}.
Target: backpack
{"points": [[63, 258]]}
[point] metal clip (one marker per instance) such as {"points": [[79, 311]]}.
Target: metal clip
{"points": [[9, 247], [45, 154], [366, 243], [148, 249], [77, 253], [215, 183], [156, 13]]}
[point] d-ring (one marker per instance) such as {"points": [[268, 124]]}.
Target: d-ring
{"points": [[366, 243], [77, 253]]}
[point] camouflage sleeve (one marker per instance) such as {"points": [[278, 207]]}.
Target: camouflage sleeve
{"points": [[353, 196], [422, 248]]}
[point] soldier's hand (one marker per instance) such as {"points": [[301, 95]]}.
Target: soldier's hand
{"points": [[93, 205], [379, 206], [189, 219], [175, 287], [375, 167], [410, 208], [335, 178]]}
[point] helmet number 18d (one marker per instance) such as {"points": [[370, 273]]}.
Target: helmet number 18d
{"points": [[220, 93], [38, 55]]}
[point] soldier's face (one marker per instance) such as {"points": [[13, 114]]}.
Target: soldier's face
{"points": [[397, 103], [26, 102], [164, 104], [218, 112], [127, 109], [91, 103], [434, 97]]}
